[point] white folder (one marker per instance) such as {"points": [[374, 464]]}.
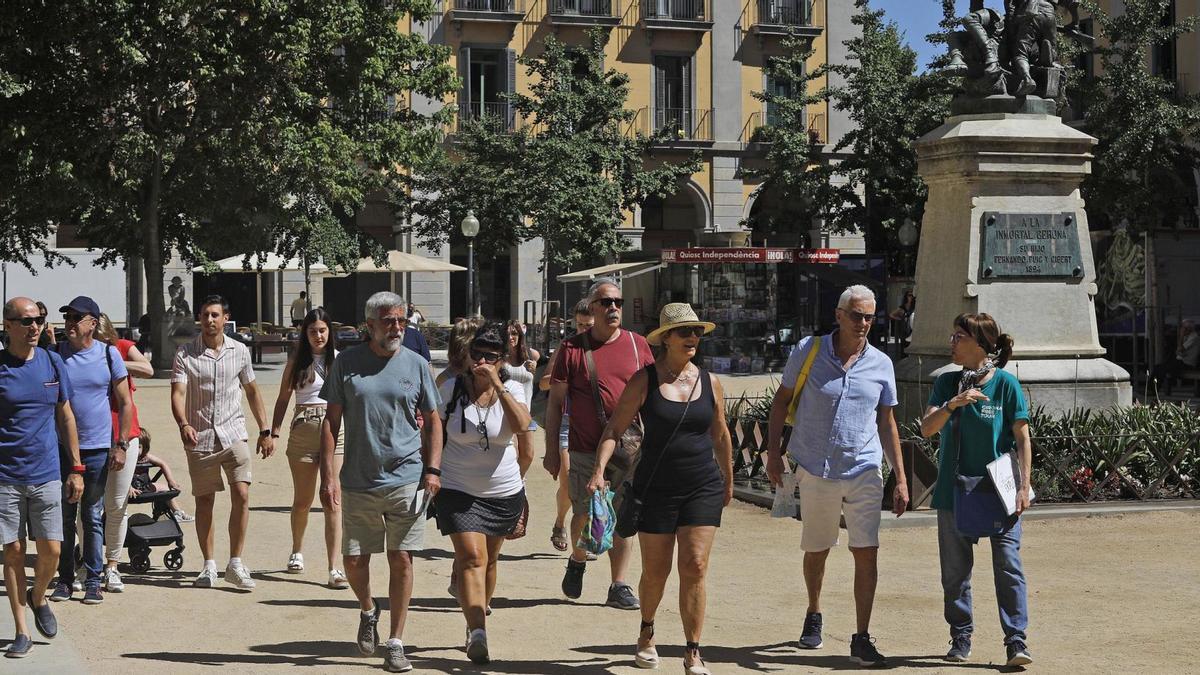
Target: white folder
{"points": [[1005, 473]]}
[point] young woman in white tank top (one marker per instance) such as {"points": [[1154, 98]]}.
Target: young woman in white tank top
{"points": [[305, 375]]}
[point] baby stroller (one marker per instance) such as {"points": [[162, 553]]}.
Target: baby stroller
{"points": [[159, 529]]}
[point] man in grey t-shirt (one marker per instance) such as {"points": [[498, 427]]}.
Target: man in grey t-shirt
{"points": [[376, 389]]}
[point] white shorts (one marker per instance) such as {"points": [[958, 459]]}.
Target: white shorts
{"points": [[823, 502]]}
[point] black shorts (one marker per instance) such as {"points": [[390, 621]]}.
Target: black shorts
{"points": [[666, 513]]}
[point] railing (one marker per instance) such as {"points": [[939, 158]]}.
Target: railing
{"points": [[499, 6], [498, 116], [680, 124], [818, 132], [680, 10], [818, 129], [781, 12], [582, 7]]}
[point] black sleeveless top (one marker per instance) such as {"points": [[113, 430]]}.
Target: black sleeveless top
{"points": [[689, 462]]}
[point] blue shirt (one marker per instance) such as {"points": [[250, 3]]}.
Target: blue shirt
{"points": [[91, 382], [836, 434], [379, 398], [29, 392], [414, 340]]}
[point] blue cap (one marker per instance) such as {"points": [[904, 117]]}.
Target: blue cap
{"points": [[83, 305]]}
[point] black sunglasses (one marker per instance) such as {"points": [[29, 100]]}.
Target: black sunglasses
{"points": [[609, 302], [28, 321], [490, 357], [688, 331], [74, 317]]}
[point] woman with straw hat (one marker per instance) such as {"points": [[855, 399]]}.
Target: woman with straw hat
{"points": [[684, 476]]}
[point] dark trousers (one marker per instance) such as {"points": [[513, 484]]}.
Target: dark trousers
{"points": [[90, 507]]}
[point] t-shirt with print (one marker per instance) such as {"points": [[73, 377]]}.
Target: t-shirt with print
{"points": [[135, 429], [986, 429], [468, 464], [29, 393], [92, 377], [379, 398], [616, 363]]}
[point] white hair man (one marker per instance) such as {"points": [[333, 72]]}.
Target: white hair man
{"points": [[844, 424]]}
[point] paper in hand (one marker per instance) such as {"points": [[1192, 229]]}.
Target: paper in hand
{"points": [[1004, 473], [419, 503]]}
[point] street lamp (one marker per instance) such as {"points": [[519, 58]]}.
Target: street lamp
{"points": [[908, 234], [470, 229]]}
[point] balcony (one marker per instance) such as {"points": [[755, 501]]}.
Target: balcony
{"points": [[498, 116], [488, 11], [681, 126], [779, 17], [583, 13], [752, 132], [682, 15]]}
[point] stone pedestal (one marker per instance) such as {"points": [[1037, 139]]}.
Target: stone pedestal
{"points": [[1000, 170]]}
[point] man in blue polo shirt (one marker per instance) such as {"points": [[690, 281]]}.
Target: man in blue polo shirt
{"points": [[35, 413], [843, 426]]}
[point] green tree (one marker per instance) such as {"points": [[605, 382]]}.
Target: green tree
{"points": [[1146, 127], [249, 124], [573, 165]]}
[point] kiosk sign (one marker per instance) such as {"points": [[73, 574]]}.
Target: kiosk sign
{"points": [[1029, 245], [750, 255]]}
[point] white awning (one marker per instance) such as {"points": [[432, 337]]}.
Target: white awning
{"points": [[271, 263], [626, 270], [398, 261]]}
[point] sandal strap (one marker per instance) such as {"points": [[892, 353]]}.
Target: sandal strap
{"points": [[692, 647], [645, 625]]}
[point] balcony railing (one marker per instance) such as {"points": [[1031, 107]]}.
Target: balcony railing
{"points": [[675, 10], [752, 131], [597, 8], [779, 17], [504, 11], [500, 6], [499, 116], [677, 124]]}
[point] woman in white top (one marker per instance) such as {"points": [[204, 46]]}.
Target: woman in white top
{"points": [[520, 360], [304, 375], [483, 492]]}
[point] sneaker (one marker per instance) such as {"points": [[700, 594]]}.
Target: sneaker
{"points": [[960, 649], [207, 578], [477, 649], [295, 564], [1018, 654], [183, 516], [810, 637], [572, 583], [863, 652], [112, 580], [621, 596], [337, 580], [368, 632], [43, 617], [239, 576], [394, 659], [93, 596], [20, 647], [62, 592]]}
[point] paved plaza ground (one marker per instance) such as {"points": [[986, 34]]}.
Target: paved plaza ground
{"points": [[1107, 594]]}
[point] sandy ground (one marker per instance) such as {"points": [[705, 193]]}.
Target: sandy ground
{"points": [[1107, 594]]}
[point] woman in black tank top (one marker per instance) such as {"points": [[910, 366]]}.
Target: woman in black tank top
{"points": [[684, 475]]}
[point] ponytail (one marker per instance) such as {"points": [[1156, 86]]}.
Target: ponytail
{"points": [[1004, 349]]}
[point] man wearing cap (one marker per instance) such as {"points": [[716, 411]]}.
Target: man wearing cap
{"points": [[206, 399], [617, 355], [35, 415], [98, 376]]}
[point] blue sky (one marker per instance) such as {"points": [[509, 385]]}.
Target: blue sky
{"points": [[917, 18]]}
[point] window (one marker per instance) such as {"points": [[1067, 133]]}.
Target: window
{"points": [[673, 94], [782, 88], [487, 75]]}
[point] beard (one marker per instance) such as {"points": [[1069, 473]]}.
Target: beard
{"points": [[389, 344]]}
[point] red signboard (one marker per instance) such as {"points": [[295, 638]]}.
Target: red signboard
{"points": [[751, 255]]}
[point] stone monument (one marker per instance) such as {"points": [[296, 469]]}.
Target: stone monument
{"points": [[1005, 231]]}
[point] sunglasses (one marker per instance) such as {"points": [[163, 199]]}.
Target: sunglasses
{"points": [[28, 321], [858, 317], [75, 317], [489, 357], [389, 320], [609, 302], [688, 331]]}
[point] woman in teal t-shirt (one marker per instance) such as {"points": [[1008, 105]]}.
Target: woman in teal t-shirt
{"points": [[987, 404]]}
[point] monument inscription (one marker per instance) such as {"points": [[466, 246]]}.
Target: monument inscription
{"points": [[1029, 245]]}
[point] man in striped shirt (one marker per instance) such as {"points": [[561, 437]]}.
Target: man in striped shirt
{"points": [[206, 400]]}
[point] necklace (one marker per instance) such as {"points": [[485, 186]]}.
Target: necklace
{"points": [[682, 377], [482, 414]]}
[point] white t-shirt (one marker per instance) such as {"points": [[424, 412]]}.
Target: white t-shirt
{"points": [[468, 467], [310, 382]]}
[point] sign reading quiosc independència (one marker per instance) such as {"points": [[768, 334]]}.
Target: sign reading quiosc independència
{"points": [[1026, 245]]}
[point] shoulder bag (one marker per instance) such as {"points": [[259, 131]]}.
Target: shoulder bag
{"points": [[630, 444], [978, 510], [813, 347]]}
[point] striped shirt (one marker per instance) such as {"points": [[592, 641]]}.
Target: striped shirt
{"points": [[214, 380]]}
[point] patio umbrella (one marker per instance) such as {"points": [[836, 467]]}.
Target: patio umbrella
{"points": [[399, 261], [271, 262]]}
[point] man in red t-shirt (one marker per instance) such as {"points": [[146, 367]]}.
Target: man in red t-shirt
{"points": [[618, 354]]}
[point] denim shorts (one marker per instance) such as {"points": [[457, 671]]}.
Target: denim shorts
{"points": [[37, 506]]}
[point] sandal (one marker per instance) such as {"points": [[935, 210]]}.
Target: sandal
{"points": [[558, 537], [697, 668], [646, 658]]}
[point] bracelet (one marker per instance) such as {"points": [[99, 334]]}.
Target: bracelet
{"points": [[184, 426], [433, 471], [78, 468]]}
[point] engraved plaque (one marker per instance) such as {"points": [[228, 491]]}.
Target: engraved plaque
{"points": [[1029, 245]]}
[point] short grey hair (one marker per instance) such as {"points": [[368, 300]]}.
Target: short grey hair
{"points": [[383, 300], [598, 284], [853, 293]]}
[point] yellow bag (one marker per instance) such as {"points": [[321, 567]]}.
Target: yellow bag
{"points": [[813, 347]]}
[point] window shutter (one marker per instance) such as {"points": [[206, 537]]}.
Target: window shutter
{"points": [[511, 84], [660, 90], [464, 73]]}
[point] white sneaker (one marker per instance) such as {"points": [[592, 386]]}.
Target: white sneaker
{"points": [[337, 580], [295, 564], [112, 581], [477, 646], [207, 578], [239, 576], [183, 516]]}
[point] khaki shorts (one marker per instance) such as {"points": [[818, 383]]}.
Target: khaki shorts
{"points": [[373, 518], [823, 502], [583, 465], [304, 438], [205, 467]]}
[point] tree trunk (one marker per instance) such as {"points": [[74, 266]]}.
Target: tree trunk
{"points": [[163, 351]]}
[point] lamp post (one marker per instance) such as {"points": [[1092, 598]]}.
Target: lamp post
{"points": [[908, 234], [470, 228]]}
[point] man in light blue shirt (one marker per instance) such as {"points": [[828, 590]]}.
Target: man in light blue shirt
{"points": [[843, 426]]}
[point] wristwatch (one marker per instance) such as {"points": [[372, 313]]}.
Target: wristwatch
{"points": [[433, 471], [79, 469], [264, 433], [122, 445]]}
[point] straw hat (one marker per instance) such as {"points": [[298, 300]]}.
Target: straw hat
{"points": [[674, 315]]}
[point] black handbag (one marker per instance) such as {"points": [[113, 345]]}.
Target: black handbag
{"points": [[629, 502]]}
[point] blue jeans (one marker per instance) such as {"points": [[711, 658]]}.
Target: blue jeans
{"points": [[92, 506], [957, 554]]}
